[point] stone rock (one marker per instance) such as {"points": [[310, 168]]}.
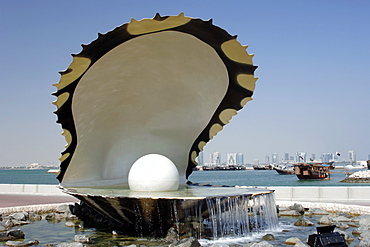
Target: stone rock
{"points": [[292, 241], [344, 214], [81, 238], [289, 213], [364, 220], [18, 216], [219, 245], [303, 222], [70, 245], [11, 234], [301, 244], [8, 223], [268, 237], [364, 235], [297, 207], [325, 220], [308, 213], [3, 227], [172, 235], [33, 216], [259, 244], [351, 224], [71, 217], [341, 225], [341, 219], [187, 242], [319, 211], [21, 243], [20, 222], [63, 209], [363, 243], [55, 216], [69, 224]]}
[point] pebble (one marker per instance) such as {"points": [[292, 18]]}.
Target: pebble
{"points": [[21, 243]]}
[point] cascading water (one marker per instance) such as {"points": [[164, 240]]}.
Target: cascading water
{"points": [[193, 211], [241, 216]]}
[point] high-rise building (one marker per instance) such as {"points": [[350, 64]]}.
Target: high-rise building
{"points": [[231, 159], [274, 158], [352, 156], [313, 156], [215, 158], [327, 157], [286, 157], [239, 159], [300, 157], [267, 159], [200, 159]]}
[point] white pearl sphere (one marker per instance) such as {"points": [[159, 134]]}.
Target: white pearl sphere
{"points": [[153, 172]]}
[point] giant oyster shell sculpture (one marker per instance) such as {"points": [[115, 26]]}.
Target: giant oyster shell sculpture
{"points": [[164, 86]]}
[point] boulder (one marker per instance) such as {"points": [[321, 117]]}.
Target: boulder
{"points": [[11, 234], [81, 238], [259, 244], [289, 213], [341, 219], [19, 216], [34, 217], [70, 245], [301, 244], [325, 220], [303, 222], [268, 237], [364, 220], [292, 241], [341, 225], [21, 243], [187, 242], [69, 224], [319, 211], [363, 243], [3, 227], [364, 235], [172, 235], [63, 209], [297, 207]]}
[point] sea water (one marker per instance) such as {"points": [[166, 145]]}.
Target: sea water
{"points": [[225, 177]]}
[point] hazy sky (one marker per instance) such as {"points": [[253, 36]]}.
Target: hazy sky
{"points": [[314, 72]]}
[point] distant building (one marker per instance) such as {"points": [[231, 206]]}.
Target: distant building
{"points": [[256, 162], [352, 156], [301, 157], [313, 156], [200, 159], [34, 166], [231, 159], [215, 158], [286, 158], [239, 159], [274, 158], [327, 157], [267, 159]]}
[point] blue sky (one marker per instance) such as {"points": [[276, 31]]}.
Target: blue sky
{"points": [[314, 72]]}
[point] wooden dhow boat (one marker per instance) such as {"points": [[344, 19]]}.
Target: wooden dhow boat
{"points": [[312, 170]]}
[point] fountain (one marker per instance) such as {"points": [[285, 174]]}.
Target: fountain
{"points": [[137, 106]]}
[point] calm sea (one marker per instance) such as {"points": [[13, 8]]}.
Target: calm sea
{"points": [[231, 178]]}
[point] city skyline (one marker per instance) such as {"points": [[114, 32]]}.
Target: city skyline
{"points": [[217, 158], [313, 72]]}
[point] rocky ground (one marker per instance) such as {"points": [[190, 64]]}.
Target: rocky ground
{"points": [[358, 177], [79, 216]]}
